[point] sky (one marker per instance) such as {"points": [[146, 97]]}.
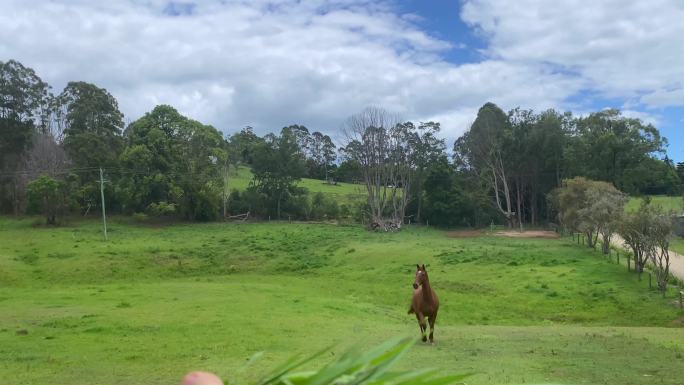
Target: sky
{"points": [[272, 63]]}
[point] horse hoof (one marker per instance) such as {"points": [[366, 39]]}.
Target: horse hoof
{"points": [[424, 339]]}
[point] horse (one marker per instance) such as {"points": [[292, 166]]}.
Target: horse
{"points": [[425, 302]]}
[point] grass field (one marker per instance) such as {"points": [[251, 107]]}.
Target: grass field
{"points": [[677, 245], [343, 192], [155, 302], [674, 203]]}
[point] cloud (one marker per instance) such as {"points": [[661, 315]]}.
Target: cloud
{"points": [[265, 63], [271, 63], [620, 49]]}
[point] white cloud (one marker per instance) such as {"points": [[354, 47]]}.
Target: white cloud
{"points": [[265, 63], [271, 63], [623, 49]]}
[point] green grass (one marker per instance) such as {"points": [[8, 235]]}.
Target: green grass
{"points": [[155, 302], [677, 244], [669, 203], [343, 192]]}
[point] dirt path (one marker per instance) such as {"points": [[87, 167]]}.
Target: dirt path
{"points": [[676, 259]]}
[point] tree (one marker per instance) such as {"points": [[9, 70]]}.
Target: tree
{"points": [[174, 161], [48, 196], [24, 107], [658, 251], [428, 150], [383, 150], [591, 207], [608, 146], [278, 164], [241, 146], [92, 135], [648, 231], [322, 155], [606, 208], [454, 199], [483, 150]]}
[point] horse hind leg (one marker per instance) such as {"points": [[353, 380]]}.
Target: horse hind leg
{"points": [[431, 320]]}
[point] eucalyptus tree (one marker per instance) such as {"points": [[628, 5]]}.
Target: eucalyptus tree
{"points": [[24, 112], [483, 150], [278, 163]]}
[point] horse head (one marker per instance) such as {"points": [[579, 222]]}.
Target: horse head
{"points": [[421, 276]]}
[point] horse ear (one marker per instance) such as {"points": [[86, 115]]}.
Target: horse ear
{"points": [[417, 267], [423, 267]]}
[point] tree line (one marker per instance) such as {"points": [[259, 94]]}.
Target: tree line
{"points": [[164, 164], [596, 209]]}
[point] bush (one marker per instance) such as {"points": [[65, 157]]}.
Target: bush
{"points": [[49, 197], [161, 209], [324, 207]]}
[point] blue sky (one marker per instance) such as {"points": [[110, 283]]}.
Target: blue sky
{"points": [[271, 63], [441, 18]]}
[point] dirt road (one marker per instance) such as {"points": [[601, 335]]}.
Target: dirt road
{"points": [[676, 259]]}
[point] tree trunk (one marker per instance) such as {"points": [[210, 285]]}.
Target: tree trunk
{"points": [[420, 204], [519, 203], [606, 243]]}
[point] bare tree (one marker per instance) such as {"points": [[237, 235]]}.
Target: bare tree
{"points": [[376, 141]]}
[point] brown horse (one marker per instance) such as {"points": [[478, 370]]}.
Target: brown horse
{"points": [[425, 302]]}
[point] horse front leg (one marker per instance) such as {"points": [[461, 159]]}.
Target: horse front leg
{"points": [[422, 324]]}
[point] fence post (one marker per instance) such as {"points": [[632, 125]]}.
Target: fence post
{"points": [[618, 256], [649, 280], [628, 260], [681, 303]]}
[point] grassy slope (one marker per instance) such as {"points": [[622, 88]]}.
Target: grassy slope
{"points": [[678, 245], [153, 303], [667, 202], [344, 192]]}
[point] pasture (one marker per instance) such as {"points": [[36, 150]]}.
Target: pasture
{"points": [[669, 203], [157, 301], [342, 192]]}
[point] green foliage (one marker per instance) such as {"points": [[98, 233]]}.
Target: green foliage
{"points": [[178, 161], [92, 136], [24, 100], [241, 146], [591, 207], [453, 200], [357, 367], [50, 197], [161, 209], [323, 207], [648, 231], [278, 164], [611, 147]]}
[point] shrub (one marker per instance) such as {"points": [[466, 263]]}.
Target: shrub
{"points": [[161, 209]]}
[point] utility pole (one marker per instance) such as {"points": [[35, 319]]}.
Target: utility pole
{"points": [[225, 190], [104, 216]]}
